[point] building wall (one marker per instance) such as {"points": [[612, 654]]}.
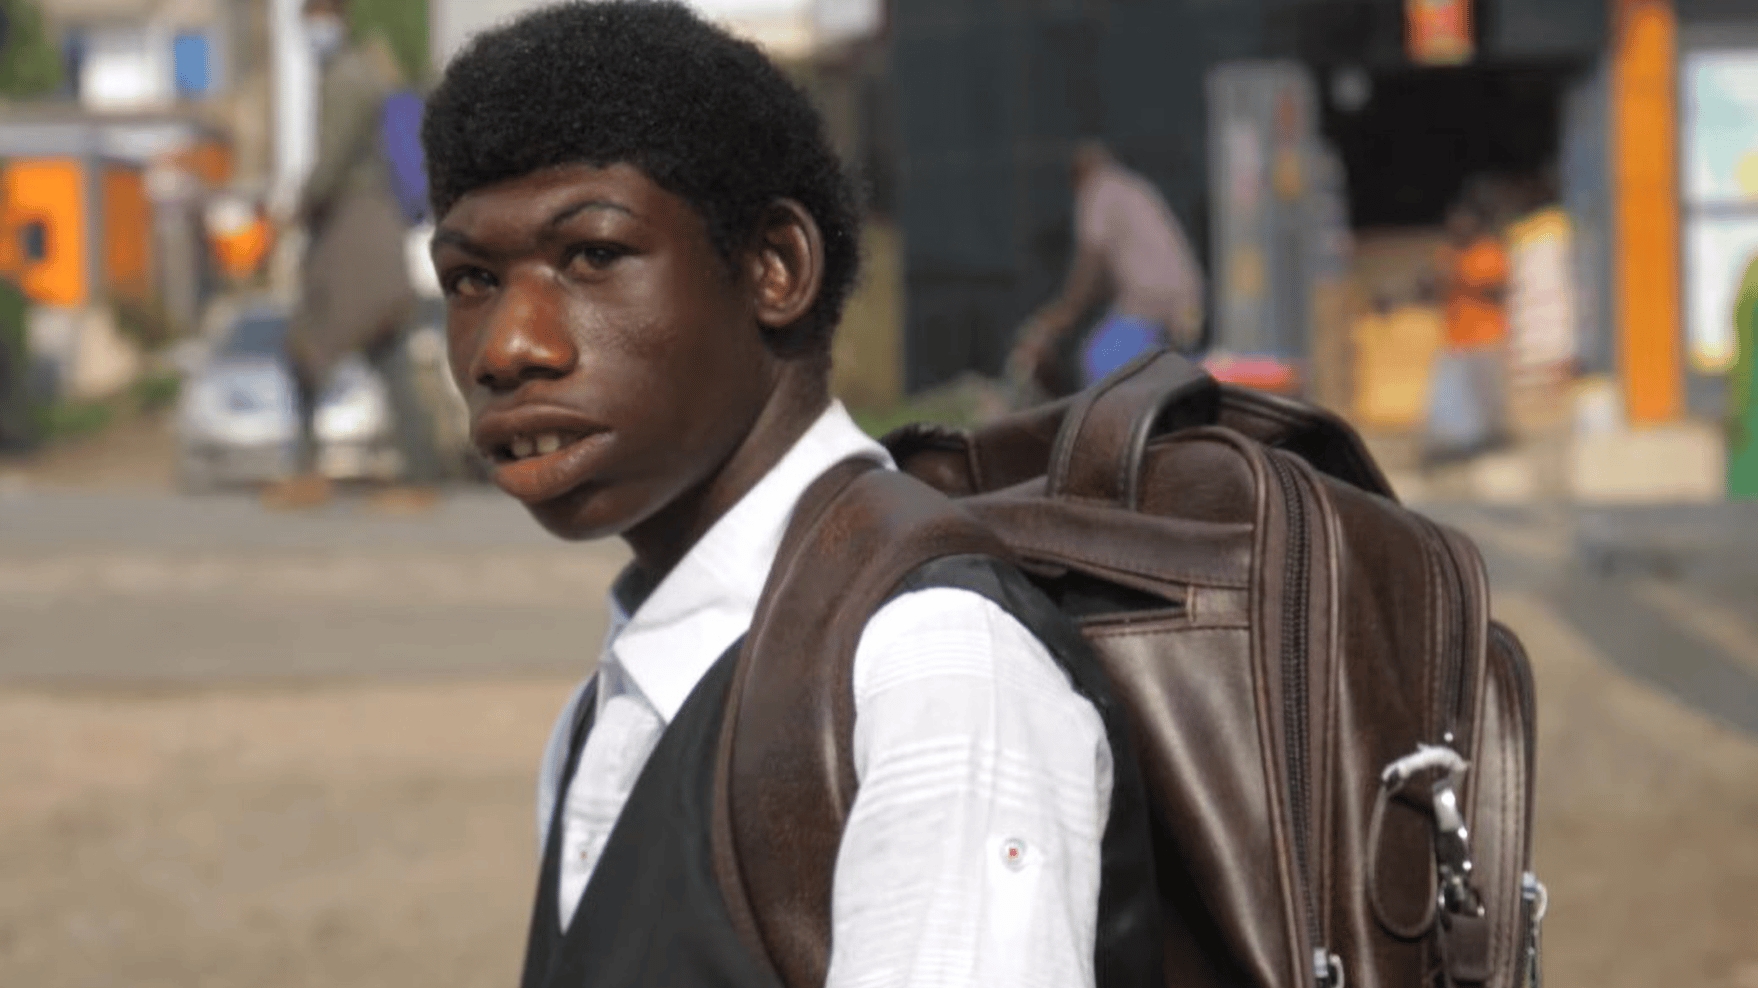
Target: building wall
{"points": [[783, 32], [1718, 82], [989, 101], [45, 208], [991, 94], [128, 223], [454, 21], [126, 66], [132, 55]]}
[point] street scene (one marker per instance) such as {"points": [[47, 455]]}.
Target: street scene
{"points": [[277, 662]]}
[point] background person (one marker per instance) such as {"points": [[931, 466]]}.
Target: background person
{"points": [[1126, 240], [1468, 399], [1542, 320], [354, 292]]}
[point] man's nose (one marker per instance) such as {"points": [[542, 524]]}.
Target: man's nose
{"points": [[527, 338]]}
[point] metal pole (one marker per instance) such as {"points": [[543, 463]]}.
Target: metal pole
{"points": [[295, 75], [295, 131]]}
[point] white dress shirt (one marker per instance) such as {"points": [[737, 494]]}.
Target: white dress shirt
{"points": [[971, 854]]}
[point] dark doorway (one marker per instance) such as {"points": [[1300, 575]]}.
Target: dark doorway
{"points": [[1423, 134]]}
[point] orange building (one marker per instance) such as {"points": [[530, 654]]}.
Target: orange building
{"points": [[77, 218]]}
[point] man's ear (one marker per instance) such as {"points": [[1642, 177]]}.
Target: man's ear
{"points": [[787, 264]]}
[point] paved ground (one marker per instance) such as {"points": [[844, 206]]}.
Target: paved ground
{"points": [[246, 749], [239, 748], [149, 587]]}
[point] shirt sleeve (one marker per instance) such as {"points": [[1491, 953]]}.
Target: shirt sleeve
{"points": [[971, 854]]}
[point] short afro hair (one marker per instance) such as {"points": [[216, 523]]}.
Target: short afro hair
{"points": [[648, 83]]}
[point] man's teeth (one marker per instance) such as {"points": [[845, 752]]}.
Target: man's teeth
{"points": [[539, 445]]}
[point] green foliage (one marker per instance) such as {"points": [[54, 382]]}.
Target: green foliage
{"points": [[14, 311], [71, 419], [965, 402], [17, 424], [145, 323], [156, 390], [30, 63], [403, 23], [74, 418]]}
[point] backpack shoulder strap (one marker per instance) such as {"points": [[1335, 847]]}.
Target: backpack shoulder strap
{"points": [[785, 777]]}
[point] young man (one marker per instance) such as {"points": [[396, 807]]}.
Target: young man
{"points": [[1127, 240], [645, 242]]}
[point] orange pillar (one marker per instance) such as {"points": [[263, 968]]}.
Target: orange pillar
{"points": [[1646, 286]]}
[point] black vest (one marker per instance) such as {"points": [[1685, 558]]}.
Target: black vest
{"points": [[652, 913]]}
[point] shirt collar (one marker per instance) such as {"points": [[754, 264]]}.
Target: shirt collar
{"points": [[668, 642]]}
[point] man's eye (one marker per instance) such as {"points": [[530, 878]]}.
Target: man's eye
{"points": [[595, 257], [469, 283]]}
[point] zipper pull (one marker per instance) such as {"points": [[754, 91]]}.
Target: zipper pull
{"points": [[1327, 969], [1537, 899]]}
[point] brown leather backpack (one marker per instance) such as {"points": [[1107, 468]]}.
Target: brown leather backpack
{"points": [[1335, 739]]}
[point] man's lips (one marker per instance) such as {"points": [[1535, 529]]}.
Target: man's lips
{"points": [[540, 453]]}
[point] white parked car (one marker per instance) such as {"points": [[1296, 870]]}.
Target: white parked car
{"points": [[236, 422]]}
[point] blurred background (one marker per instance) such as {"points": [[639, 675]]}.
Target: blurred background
{"points": [[1514, 241]]}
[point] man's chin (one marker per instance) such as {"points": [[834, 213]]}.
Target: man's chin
{"points": [[566, 526], [579, 516]]}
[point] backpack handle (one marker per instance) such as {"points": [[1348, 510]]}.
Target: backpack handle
{"points": [[1098, 450]]}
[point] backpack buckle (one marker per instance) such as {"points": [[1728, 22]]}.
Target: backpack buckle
{"points": [[1452, 845]]}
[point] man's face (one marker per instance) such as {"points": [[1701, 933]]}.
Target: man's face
{"points": [[324, 26], [611, 361]]}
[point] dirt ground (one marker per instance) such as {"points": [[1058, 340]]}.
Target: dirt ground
{"points": [[383, 834], [371, 822], [368, 835], [1647, 815], [137, 451]]}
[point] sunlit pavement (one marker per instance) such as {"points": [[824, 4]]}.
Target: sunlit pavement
{"points": [[150, 587], [247, 748], [1666, 594]]}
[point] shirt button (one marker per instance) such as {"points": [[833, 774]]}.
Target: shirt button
{"points": [[1013, 852]]}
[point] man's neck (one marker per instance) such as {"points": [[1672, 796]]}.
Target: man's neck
{"points": [[659, 543]]}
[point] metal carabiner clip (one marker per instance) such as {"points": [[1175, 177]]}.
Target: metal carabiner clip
{"points": [[1452, 845]]}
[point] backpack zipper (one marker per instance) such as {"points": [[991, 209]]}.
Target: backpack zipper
{"points": [[1327, 968], [1453, 666], [1534, 898], [1521, 666]]}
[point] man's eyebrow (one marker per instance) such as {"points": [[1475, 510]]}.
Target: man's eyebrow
{"points": [[447, 236], [567, 213]]}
